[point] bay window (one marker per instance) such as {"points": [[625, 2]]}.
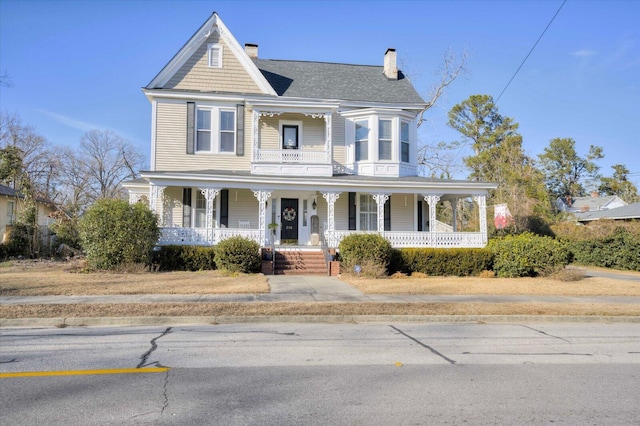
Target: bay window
{"points": [[384, 139], [362, 137], [404, 142]]}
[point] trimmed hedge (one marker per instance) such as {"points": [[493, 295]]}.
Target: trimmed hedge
{"points": [[621, 250], [527, 255], [460, 262], [184, 258], [372, 252], [238, 254]]}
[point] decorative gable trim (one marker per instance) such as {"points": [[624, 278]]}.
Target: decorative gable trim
{"points": [[213, 24]]}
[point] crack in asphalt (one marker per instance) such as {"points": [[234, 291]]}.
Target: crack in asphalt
{"points": [[546, 334], [433, 351], [165, 392], [154, 346]]}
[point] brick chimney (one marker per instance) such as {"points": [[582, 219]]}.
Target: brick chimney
{"points": [[251, 50], [390, 64]]}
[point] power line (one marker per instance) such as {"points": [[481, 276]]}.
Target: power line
{"points": [[530, 51]]}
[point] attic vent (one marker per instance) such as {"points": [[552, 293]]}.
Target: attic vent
{"points": [[215, 55]]}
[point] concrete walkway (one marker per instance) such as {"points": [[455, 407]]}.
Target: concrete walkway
{"points": [[287, 288]]}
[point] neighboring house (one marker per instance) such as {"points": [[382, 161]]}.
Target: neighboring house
{"points": [[318, 149], [626, 212], [11, 201], [589, 204]]}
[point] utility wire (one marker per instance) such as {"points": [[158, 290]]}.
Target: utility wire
{"points": [[530, 51]]}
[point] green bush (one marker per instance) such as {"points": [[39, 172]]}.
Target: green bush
{"points": [[238, 254], [371, 252], [66, 231], [114, 232], [621, 250], [19, 239], [184, 258], [460, 262], [527, 255]]}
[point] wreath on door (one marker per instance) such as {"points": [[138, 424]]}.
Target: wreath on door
{"points": [[289, 214]]}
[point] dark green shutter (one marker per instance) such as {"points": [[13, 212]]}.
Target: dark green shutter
{"points": [[224, 208], [352, 211], [240, 130], [419, 215], [186, 207], [191, 125], [387, 215]]}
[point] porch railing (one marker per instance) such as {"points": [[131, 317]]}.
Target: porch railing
{"points": [[417, 239], [292, 156], [203, 236]]}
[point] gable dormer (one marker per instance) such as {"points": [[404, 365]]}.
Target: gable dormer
{"points": [[212, 61]]}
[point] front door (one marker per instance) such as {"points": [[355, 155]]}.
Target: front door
{"points": [[289, 215]]}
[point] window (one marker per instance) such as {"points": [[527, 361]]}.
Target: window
{"points": [[404, 142], [227, 131], [289, 137], [215, 55], [215, 130], [368, 213], [186, 207], [10, 212], [362, 138], [203, 134], [200, 211], [384, 139]]}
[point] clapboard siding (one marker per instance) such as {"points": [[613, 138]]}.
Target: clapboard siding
{"points": [[401, 215]]}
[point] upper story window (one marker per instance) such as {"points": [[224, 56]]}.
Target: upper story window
{"points": [[362, 138], [215, 130], [11, 214], [289, 136], [404, 142], [384, 140], [215, 55]]}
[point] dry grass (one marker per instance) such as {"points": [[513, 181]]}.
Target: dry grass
{"points": [[33, 278], [279, 309], [591, 286]]}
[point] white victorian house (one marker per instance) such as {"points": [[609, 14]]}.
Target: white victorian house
{"points": [[291, 152]]}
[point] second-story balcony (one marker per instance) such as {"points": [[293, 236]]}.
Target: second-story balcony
{"points": [[292, 142]]}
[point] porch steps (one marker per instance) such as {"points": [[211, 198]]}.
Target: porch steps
{"points": [[292, 261]]}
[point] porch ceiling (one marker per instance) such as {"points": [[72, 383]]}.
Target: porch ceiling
{"points": [[336, 183]]}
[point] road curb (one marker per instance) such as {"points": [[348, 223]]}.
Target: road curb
{"points": [[192, 320]]}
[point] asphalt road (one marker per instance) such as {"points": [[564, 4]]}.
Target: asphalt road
{"points": [[321, 374]]}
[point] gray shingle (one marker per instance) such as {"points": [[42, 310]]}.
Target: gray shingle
{"points": [[325, 80]]}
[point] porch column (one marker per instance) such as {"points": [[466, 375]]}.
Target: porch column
{"points": [[454, 206], [210, 195], [432, 200], [256, 133], [262, 197], [327, 142], [482, 207], [380, 199], [156, 192], [331, 198]]}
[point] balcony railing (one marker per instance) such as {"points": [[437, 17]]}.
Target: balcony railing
{"points": [[292, 156], [417, 239], [203, 236]]}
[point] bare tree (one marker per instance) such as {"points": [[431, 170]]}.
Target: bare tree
{"points": [[108, 160], [5, 79]]}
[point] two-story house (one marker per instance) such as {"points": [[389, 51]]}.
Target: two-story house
{"points": [[290, 151]]}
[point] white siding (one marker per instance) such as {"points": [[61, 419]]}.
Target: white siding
{"points": [[401, 215]]}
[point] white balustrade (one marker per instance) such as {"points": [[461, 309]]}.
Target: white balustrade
{"points": [[203, 236], [292, 156], [417, 239]]}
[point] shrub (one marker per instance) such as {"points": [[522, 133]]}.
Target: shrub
{"points": [[619, 250], [18, 243], [114, 232], [459, 262], [238, 254], [184, 258], [527, 255], [371, 252], [66, 231]]}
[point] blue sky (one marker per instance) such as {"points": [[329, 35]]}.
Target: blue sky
{"points": [[80, 65]]}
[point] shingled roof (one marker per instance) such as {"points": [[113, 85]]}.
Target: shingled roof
{"points": [[325, 80]]}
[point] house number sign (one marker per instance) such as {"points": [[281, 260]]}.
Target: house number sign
{"points": [[289, 214]]}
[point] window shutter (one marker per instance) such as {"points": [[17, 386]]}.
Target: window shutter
{"points": [[420, 215], [352, 211], [191, 124], [387, 215], [186, 207], [240, 130], [224, 208]]}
